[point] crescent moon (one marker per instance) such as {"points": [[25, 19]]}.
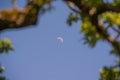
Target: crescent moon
{"points": [[60, 39]]}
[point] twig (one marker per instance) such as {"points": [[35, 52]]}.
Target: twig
{"points": [[72, 7], [115, 30]]}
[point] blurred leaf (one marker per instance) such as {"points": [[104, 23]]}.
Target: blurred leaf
{"points": [[7, 42], [114, 52], [109, 73], [1, 69], [2, 78], [5, 45], [72, 18], [43, 2]]}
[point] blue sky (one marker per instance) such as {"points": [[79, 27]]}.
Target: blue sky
{"points": [[39, 55]]}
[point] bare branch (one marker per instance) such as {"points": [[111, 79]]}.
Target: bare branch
{"points": [[72, 7], [116, 30], [108, 7]]}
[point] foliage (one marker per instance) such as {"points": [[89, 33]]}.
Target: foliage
{"points": [[100, 22], [5, 47], [2, 78], [43, 2], [91, 35], [109, 73], [72, 18], [14, 18]]}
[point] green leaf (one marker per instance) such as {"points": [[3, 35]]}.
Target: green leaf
{"points": [[1, 69], [95, 2], [72, 18]]}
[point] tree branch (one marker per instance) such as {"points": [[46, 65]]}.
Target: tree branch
{"points": [[18, 18], [108, 7], [86, 10]]}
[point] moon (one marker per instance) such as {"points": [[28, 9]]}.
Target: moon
{"points": [[60, 39]]}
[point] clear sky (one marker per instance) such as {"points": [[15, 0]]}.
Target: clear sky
{"points": [[39, 55]]}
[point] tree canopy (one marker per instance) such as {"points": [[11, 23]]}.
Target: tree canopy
{"points": [[100, 22]]}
